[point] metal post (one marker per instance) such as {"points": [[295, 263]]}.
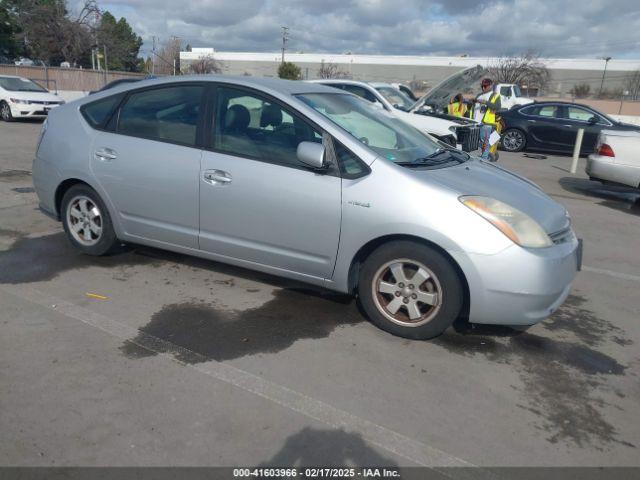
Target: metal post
{"points": [[604, 72], [104, 48], [576, 150]]}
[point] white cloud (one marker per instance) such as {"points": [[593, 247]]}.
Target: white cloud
{"points": [[571, 28]]}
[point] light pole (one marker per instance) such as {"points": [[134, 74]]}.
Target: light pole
{"points": [[285, 38], [604, 72]]}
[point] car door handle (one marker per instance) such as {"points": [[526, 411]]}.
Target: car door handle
{"points": [[531, 121], [105, 155], [216, 177], [570, 126]]}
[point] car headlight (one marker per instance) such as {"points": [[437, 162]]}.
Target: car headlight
{"points": [[453, 128], [517, 226], [19, 100]]}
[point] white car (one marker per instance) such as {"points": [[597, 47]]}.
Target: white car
{"points": [[423, 114], [23, 98], [616, 159]]}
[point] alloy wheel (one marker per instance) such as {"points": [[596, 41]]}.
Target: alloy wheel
{"points": [[85, 220], [5, 112], [407, 292], [512, 140]]}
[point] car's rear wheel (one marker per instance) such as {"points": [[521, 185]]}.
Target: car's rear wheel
{"points": [[86, 221], [513, 140], [410, 290], [5, 112]]}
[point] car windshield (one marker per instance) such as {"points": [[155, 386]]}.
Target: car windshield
{"points": [[16, 84], [388, 136], [396, 98]]}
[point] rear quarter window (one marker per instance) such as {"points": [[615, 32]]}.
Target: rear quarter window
{"points": [[98, 112]]}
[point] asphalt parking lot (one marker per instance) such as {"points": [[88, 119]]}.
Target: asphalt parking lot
{"points": [[153, 358]]}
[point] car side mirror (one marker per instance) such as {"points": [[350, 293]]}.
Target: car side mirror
{"points": [[311, 154], [593, 120]]}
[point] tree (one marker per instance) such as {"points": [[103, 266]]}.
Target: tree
{"points": [[632, 85], [289, 71], [121, 42], [525, 69], [206, 64], [581, 91], [331, 70], [9, 46], [46, 31], [167, 59]]}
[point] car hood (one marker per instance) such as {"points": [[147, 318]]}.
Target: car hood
{"points": [[37, 96], [440, 95], [476, 177], [426, 123]]}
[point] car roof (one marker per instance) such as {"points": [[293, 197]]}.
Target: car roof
{"points": [[330, 81], [10, 76], [556, 102], [290, 87]]}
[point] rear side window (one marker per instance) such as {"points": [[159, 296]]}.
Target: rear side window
{"points": [[98, 112], [541, 110], [168, 114]]}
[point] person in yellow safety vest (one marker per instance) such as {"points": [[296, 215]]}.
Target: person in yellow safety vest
{"points": [[457, 107], [485, 108]]}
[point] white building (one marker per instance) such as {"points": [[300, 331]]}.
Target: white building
{"points": [[565, 72]]}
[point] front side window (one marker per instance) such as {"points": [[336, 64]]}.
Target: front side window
{"points": [[584, 115], [505, 91], [17, 84], [360, 91], [167, 114], [388, 136], [250, 125]]}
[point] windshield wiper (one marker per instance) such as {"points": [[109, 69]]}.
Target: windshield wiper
{"points": [[431, 159]]}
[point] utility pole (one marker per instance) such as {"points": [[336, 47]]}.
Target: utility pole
{"points": [[104, 48], [604, 72], [153, 57], [285, 39]]}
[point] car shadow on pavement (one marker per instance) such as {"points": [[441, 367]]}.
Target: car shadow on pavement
{"points": [[625, 199], [312, 447]]}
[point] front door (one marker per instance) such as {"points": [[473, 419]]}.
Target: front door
{"points": [[544, 127], [574, 118], [149, 164], [258, 203]]}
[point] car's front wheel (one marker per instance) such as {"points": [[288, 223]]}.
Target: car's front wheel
{"points": [[5, 112], [410, 290], [86, 221], [513, 140]]}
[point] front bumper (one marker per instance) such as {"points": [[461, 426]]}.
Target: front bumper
{"points": [[520, 286], [21, 110]]}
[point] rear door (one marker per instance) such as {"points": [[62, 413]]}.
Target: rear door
{"points": [[258, 203], [148, 162]]}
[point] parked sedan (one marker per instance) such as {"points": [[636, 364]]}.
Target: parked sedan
{"points": [[310, 183], [616, 159], [23, 98], [553, 126]]}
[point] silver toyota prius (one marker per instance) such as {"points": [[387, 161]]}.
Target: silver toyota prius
{"points": [[310, 183]]}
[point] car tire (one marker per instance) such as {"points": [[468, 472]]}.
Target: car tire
{"points": [[5, 112], [87, 222], [410, 290], [513, 140]]}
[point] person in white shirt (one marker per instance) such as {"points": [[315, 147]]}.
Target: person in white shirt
{"points": [[485, 107]]}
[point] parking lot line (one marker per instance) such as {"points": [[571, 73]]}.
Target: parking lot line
{"points": [[394, 442], [611, 273]]}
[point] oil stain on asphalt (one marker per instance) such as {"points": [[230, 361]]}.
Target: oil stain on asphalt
{"points": [[197, 332], [561, 376], [43, 258]]}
